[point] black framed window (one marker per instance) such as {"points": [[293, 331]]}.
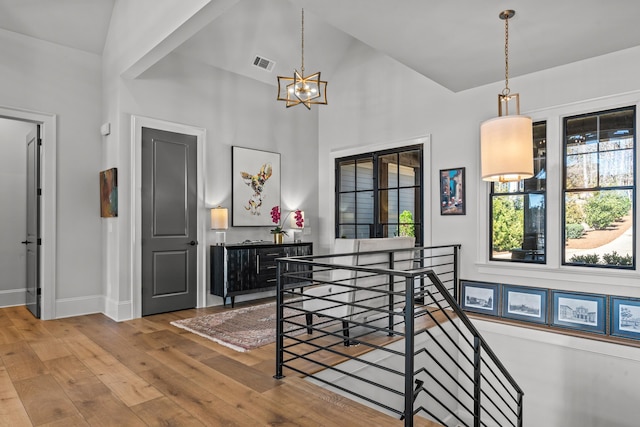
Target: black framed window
{"points": [[518, 210], [379, 194], [599, 189]]}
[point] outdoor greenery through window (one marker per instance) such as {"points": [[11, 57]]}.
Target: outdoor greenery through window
{"points": [[518, 210], [599, 189], [380, 194]]}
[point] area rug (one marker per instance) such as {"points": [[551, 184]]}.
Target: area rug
{"points": [[244, 328]]}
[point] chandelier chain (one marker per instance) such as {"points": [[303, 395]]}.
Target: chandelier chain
{"points": [[302, 43], [506, 89]]}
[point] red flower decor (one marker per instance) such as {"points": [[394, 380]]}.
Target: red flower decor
{"points": [[276, 215]]}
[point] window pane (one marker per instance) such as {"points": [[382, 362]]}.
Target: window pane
{"points": [[364, 213], [347, 209], [582, 171], [364, 231], [408, 198], [390, 230], [347, 232], [616, 168], [508, 225], [508, 187], [364, 174], [581, 134], [388, 206], [409, 170], [348, 175], [616, 124], [388, 171], [599, 228]]}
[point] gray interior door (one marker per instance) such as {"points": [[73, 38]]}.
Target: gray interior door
{"points": [[32, 241], [169, 221]]}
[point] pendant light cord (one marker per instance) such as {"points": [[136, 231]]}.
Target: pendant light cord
{"points": [[506, 89], [302, 44]]}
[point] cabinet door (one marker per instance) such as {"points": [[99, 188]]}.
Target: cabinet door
{"points": [[241, 270]]}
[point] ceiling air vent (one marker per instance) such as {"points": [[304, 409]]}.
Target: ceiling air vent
{"points": [[264, 63]]}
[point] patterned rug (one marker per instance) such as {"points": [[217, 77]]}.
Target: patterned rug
{"points": [[242, 329]]}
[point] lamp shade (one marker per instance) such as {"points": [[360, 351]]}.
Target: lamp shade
{"points": [[506, 148], [219, 218], [292, 221]]}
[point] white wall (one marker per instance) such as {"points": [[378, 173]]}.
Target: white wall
{"points": [[44, 77], [569, 381], [13, 215], [389, 113], [233, 110]]}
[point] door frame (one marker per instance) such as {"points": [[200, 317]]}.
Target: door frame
{"points": [[47, 261], [137, 123]]}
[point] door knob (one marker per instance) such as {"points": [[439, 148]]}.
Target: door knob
{"points": [[26, 242], [193, 243]]}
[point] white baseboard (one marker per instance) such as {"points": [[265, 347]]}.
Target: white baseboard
{"points": [[118, 311], [13, 297], [69, 307]]}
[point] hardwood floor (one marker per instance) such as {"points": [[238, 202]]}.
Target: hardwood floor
{"points": [[92, 371]]}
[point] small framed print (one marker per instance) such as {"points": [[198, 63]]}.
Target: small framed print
{"points": [[584, 312], [625, 317], [452, 192], [526, 304], [480, 297]]}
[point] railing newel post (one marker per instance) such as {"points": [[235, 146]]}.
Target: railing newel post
{"points": [[279, 323], [477, 376], [409, 396], [391, 289]]}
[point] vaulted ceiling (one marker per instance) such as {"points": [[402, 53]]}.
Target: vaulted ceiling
{"points": [[458, 44]]}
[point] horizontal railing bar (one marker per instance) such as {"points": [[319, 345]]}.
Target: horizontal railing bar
{"points": [[435, 398], [351, 375], [506, 390], [494, 418], [446, 389], [496, 407], [439, 325]]}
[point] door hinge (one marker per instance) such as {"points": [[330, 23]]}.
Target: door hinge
{"points": [[39, 192], [39, 291], [39, 141], [39, 241]]}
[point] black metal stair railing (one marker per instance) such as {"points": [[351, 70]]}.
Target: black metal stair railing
{"points": [[394, 339]]}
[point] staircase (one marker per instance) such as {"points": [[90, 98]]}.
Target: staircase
{"points": [[416, 356]]}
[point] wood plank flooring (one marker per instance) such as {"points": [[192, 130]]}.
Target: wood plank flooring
{"points": [[92, 371]]}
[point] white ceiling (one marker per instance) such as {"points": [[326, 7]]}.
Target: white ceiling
{"points": [[457, 43]]}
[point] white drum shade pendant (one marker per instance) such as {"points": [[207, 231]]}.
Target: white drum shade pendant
{"points": [[506, 142], [506, 147]]}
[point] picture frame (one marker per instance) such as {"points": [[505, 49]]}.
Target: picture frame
{"points": [[255, 182], [525, 304], [109, 193], [452, 191], [625, 317], [480, 297], [583, 312]]}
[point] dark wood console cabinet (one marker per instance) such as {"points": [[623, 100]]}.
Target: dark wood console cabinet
{"points": [[244, 268]]}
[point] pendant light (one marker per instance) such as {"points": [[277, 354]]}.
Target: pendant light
{"points": [[506, 142], [300, 89]]}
